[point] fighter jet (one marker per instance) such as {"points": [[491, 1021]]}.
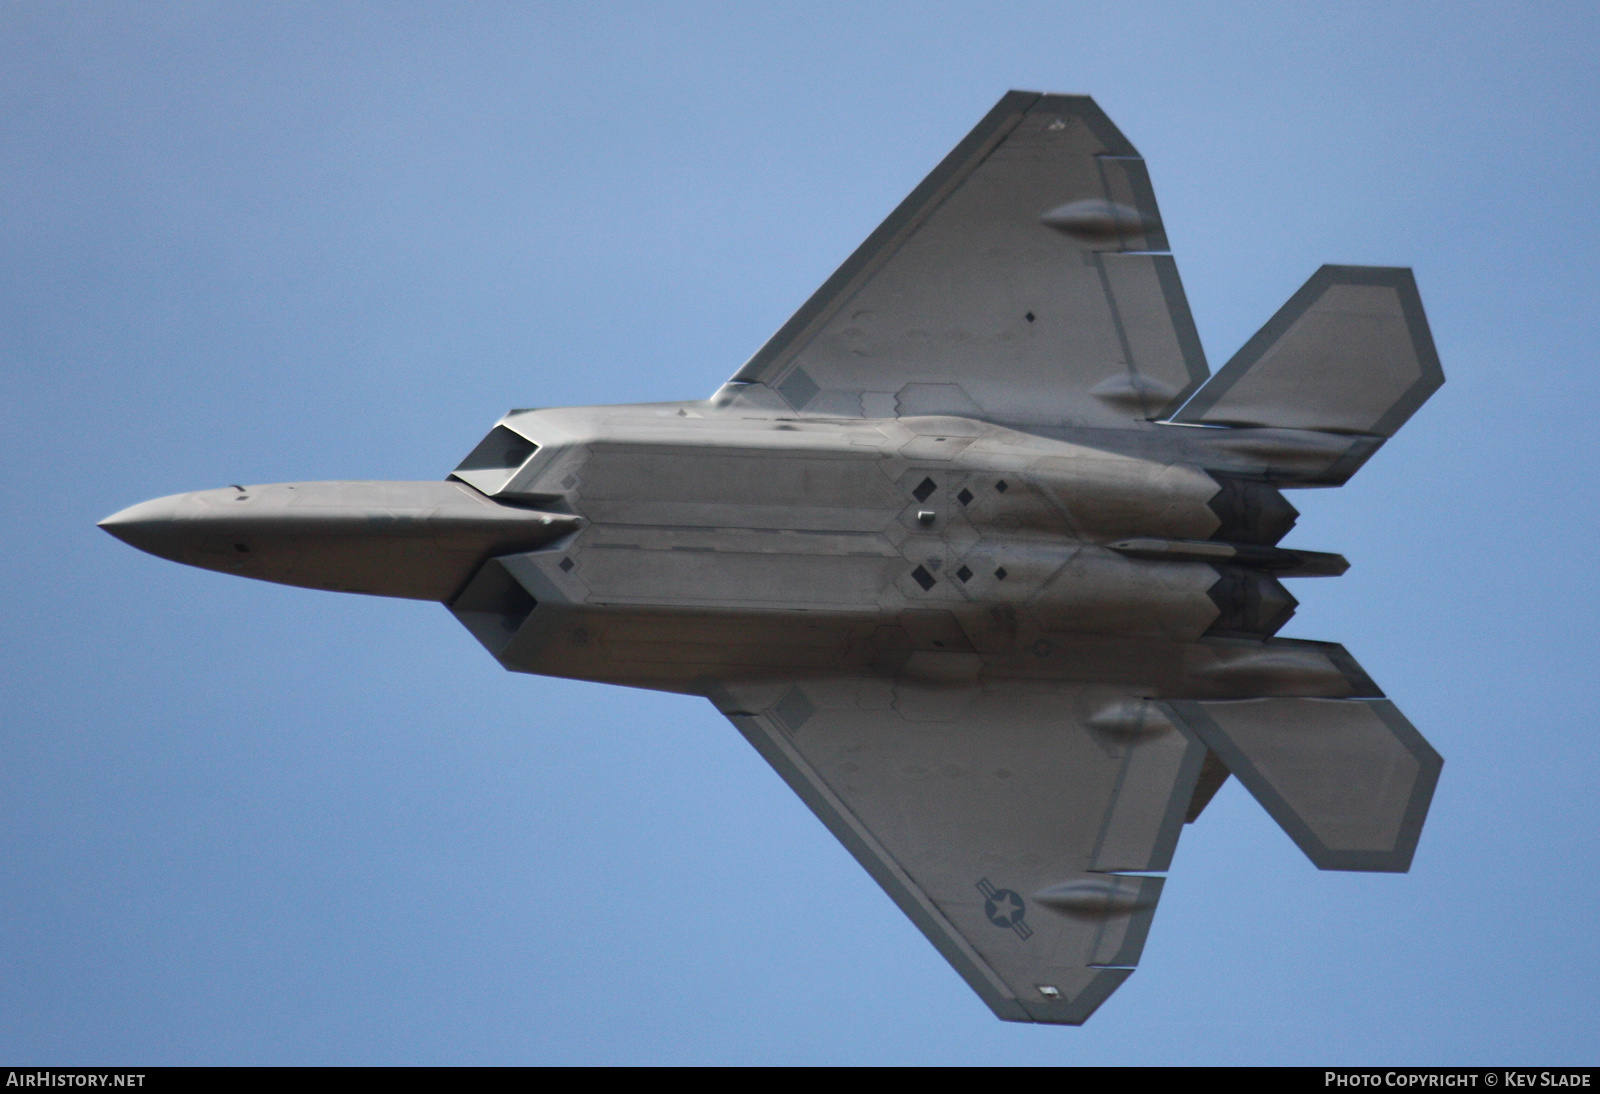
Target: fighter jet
{"points": [[975, 552]]}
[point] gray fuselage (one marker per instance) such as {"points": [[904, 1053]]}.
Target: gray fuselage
{"points": [[664, 545]]}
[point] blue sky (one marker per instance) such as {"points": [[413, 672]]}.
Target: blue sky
{"points": [[242, 823]]}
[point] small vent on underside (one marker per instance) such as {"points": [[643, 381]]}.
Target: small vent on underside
{"points": [[1000, 574], [1001, 486], [798, 388], [964, 574], [793, 710], [922, 577], [965, 497], [502, 450], [924, 489]]}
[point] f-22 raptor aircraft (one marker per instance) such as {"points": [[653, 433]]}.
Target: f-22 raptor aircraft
{"points": [[974, 551]]}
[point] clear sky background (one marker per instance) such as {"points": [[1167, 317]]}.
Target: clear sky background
{"points": [[243, 823]]}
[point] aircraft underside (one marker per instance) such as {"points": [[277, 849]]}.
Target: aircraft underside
{"points": [[975, 551]]}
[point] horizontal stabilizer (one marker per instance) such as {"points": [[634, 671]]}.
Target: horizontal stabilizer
{"points": [[1349, 353], [1349, 780]]}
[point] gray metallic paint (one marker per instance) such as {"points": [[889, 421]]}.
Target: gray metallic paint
{"points": [[996, 622]]}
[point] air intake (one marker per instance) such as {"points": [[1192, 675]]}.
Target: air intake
{"points": [[499, 456]]}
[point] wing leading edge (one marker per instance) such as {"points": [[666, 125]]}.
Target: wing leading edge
{"points": [[1037, 248], [999, 818]]}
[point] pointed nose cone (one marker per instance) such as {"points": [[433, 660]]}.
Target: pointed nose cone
{"points": [[421, 540], [150, 526]]}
